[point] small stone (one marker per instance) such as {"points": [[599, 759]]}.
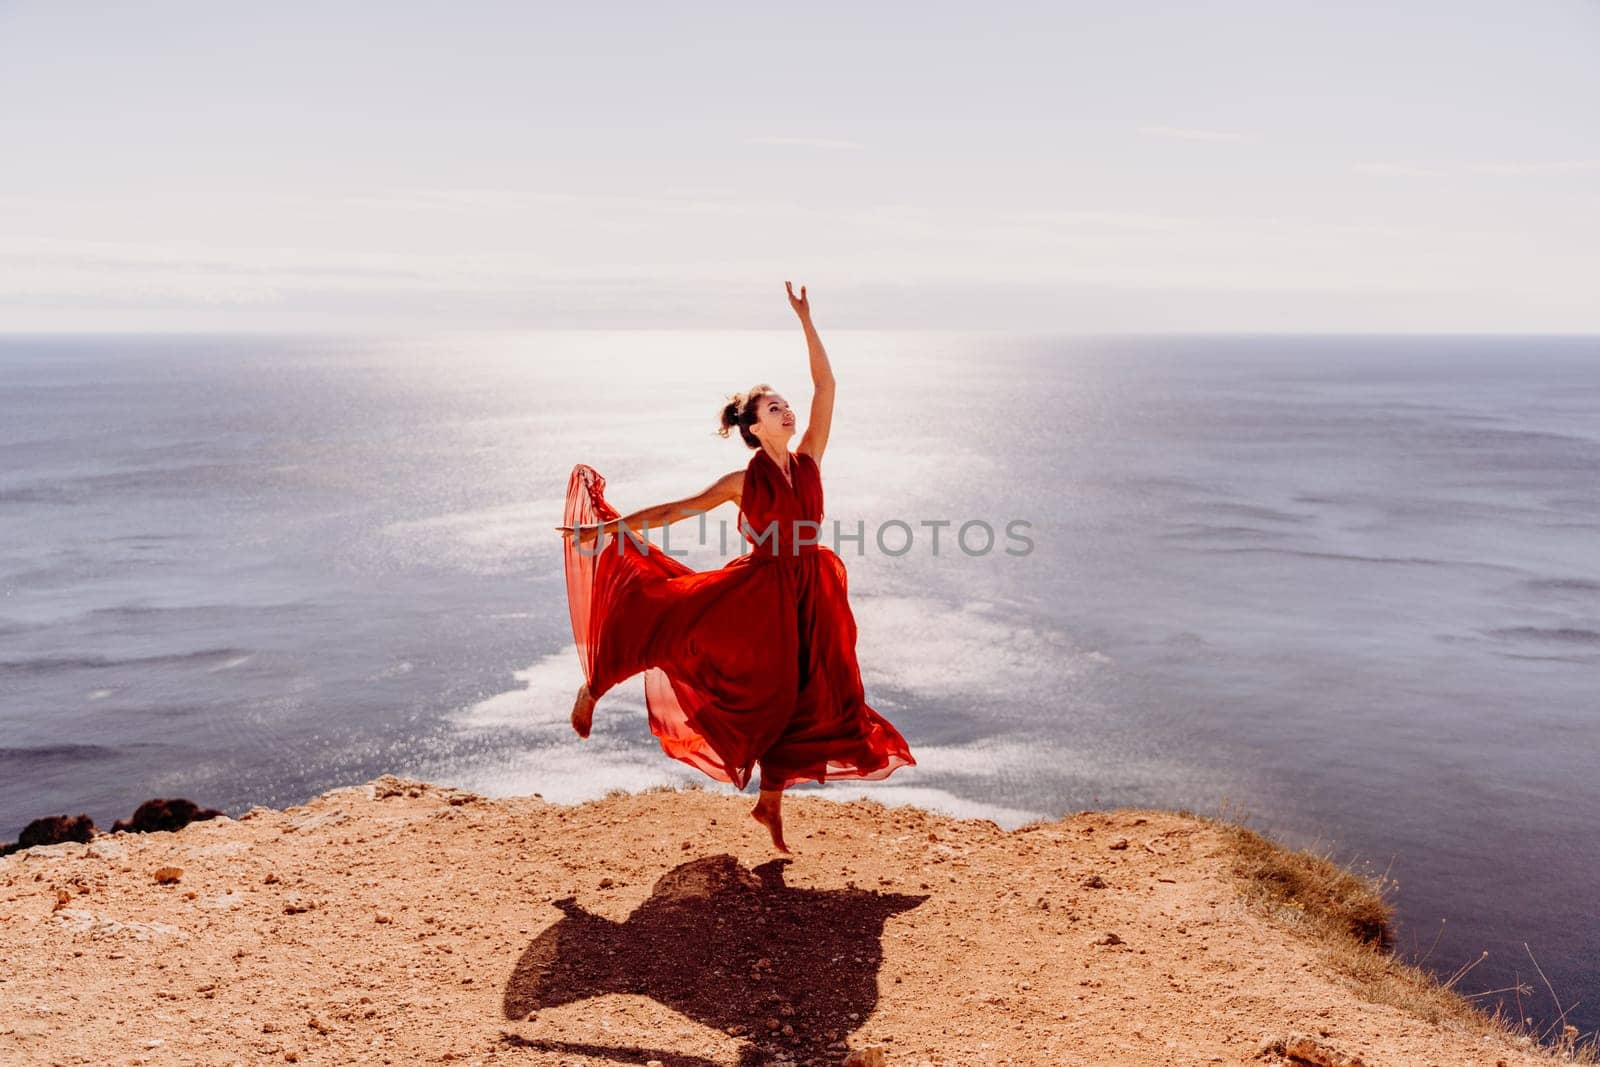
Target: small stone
{"points": [[168, 875], [383, 917], [1307, 1050], [1119, 844], [606, 883], [871, 1056], [1094, 881], [1110, 939]]}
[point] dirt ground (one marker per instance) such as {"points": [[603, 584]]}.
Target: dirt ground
{"points": [[399, 922]]}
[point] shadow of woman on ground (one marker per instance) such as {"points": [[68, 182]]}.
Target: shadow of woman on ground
{"points": [[729, 947]]}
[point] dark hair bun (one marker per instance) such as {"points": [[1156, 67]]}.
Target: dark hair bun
{"points": [[740, 413]]}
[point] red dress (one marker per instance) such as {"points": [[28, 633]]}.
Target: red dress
{"points": [[751, 663]]}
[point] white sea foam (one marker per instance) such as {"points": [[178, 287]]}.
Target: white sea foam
{"points": [[928, 798], [620, 754], [931, 647], [575, 772], [544, 697], [975, 652], [570, 771]]}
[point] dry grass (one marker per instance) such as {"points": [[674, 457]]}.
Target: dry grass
{"points": [[659, 787], [1350, 915], [1332, 898]]}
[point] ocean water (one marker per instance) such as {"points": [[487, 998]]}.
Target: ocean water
{"points": [[1346, 588]]}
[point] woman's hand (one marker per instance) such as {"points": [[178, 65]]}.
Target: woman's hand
{"points": [[801, 307], [587, 535]]}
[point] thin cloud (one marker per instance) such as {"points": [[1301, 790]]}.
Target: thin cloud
{"points": [[830, 144], [1561, 166], [1398, 170], [1190, 133], [1115, 220], [487, 201], [1529, 168]]}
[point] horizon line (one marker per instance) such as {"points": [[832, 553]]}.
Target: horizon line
{"points": [[341, 331]]}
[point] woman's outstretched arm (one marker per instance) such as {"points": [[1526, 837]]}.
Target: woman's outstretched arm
{"points": [[815, 440], [728, 487]]}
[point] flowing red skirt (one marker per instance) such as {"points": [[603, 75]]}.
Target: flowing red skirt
{"points": [[749, 665]]}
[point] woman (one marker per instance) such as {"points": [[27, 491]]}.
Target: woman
{"points": [[750, 664]]}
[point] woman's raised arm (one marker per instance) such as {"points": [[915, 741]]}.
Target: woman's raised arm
{"points": [[815, 440]]}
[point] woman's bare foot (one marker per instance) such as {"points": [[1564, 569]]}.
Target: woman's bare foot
{"points": [[583, 711], [768, 812]]}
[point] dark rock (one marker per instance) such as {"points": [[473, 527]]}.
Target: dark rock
{"points": [[164, 814], [52, 830]]}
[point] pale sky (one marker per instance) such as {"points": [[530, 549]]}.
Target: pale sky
{"points": [[1065, 166]]}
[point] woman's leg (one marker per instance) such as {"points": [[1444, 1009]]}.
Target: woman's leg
{"points": [[769, 813]]}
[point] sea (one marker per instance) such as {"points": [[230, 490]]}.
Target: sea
{"points": [[1342, 588]]}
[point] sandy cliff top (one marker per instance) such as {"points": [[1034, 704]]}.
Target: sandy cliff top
{"points": [[399, 922]]}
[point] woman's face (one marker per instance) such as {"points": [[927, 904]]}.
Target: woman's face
{"points": [[774, 421]]}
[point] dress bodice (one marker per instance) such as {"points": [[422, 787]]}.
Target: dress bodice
{"points": [[776, 518]]}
